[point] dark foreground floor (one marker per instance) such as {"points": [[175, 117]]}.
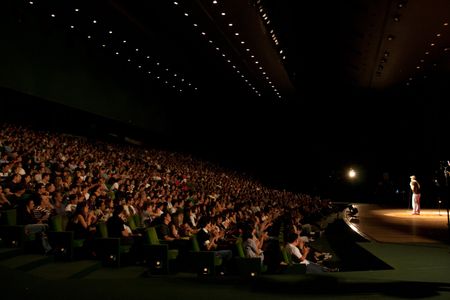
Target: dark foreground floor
{"points": [[370, 270]]}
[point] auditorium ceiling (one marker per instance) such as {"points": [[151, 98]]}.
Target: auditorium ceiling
{"points": [[279, 50]]}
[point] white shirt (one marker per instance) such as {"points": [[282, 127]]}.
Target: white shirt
{"points": [[293, 250]]}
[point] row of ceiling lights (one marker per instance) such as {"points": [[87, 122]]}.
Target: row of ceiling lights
{"points": [[265, 16], [123, 49], [217, 48], [400, 5], [225, 15], [432, 45]]}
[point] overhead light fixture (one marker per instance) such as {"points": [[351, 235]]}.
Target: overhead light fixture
{"points": [[402, 4], [397, 18], [390, 37]]}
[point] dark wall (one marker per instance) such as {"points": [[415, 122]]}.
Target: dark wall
{"points": [[40, 57]]}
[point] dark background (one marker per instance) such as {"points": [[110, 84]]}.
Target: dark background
{"points": [[306, 142]]}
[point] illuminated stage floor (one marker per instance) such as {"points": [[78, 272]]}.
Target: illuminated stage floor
{"points": [[398, 225]]}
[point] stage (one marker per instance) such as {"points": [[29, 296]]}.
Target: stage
{"points": [[398, 225]]}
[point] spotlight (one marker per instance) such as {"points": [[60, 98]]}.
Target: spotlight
{"points": [[158, 264], [352, 173]]}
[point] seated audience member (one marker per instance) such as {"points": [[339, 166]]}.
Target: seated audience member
{"points": [[4, 202], [27, 217], [207, 239], [253, 247], [117, 228], [163, 229], [293, 241], [82, 223]]}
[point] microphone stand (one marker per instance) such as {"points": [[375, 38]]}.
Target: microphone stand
{"points": [[447, 193]]}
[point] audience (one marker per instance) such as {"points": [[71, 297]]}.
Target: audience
{"points": [[84, 180]]}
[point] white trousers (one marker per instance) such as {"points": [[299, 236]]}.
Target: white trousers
{"points": [[416, 203]]}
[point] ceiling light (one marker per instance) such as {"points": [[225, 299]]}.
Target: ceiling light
{"points": [[438, 34], [445, 24], [186, 14], [397, 18], [390, 37], [52, 15], [94, 21], [230, 24], [402, 3], [77, 10], [176, 3], [223, 14]]}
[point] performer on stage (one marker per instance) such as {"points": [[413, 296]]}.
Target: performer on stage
{"points": [[415, 189]]}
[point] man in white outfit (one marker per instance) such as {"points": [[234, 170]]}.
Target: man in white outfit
{"points": [[415, 189]]}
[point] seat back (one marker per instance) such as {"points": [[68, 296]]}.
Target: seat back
{"points": [[240, 248], [131, 223], [102, 229], [137, 220], [286, 257], [56, 223], [194, 243], [9, 217], [152, 236]]}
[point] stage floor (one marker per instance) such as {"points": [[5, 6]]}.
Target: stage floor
{"points": [[398, 225]]}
